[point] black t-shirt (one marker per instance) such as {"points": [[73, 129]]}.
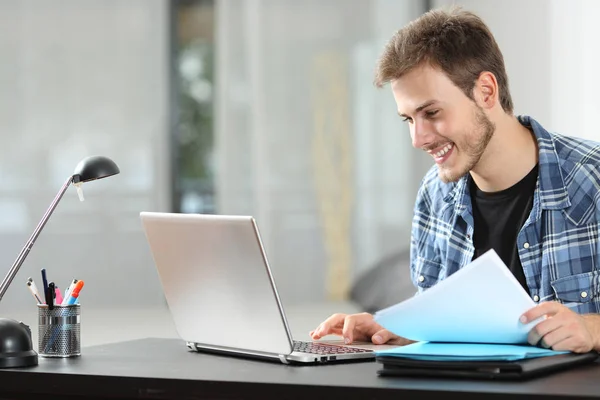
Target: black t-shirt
{"points": [[498, 218]]}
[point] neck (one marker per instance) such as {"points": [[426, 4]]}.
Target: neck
{"points": [[510, 155]]}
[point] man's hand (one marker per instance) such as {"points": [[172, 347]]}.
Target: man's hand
{"points": [[562, 329], [359, 327]]}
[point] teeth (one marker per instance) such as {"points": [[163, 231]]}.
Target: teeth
{"points": [[443, 151]]}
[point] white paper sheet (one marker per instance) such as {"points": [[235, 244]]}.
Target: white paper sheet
{"points": [[480, 303]]}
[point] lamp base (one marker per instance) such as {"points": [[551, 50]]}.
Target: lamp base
{"points": [[16, 349]]}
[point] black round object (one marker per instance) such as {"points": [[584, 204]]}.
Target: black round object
{"points": [[16, 349]]}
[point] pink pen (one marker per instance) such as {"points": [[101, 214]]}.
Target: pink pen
{"points": [[59, 298]]}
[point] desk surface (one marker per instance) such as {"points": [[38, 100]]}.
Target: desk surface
{"points": [[165, 369]]}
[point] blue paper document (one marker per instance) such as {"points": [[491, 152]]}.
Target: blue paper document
{"points": [[480, 303], [425, 351]]}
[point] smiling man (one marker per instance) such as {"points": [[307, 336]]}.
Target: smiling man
{"points": [[499, 182]]}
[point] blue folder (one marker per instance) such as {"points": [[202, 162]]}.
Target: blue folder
{"points": [[467, 352]]}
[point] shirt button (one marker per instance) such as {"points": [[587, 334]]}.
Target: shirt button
{"points": [[536, 298], [584, 294], [526, 245], [421, 278]]}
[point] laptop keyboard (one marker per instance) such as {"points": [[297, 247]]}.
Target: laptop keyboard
{"points": [[322, 348]]}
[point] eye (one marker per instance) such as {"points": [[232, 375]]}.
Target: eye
{"points": [[431, 113], [406, 119]]}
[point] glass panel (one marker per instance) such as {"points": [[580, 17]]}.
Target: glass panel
{"points": [[194, 80], [309, 146]]}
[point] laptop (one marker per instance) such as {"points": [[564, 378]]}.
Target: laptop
{"points": [[221, 293]]}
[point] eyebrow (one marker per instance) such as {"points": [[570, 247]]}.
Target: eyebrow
{"points": [[420, 108]]}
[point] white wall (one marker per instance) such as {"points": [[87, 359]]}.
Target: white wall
{"points": [[552, 53], [522, 30], [575, 60]]}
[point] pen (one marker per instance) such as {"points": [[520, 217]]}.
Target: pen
{"points": [[50, 296], [33, 292], [34, 289], [68, 292], [74, 293], [45, 284]]}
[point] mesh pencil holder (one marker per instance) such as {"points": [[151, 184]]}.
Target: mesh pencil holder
{"points": [[59, 331]]}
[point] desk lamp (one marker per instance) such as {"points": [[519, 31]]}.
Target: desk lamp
{"points": [[16, 348]]}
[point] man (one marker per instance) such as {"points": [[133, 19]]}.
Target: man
{"points": [[499, 182]]}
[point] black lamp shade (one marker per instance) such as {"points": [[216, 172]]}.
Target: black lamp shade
{"points": [[94, 167], [16, 349]]}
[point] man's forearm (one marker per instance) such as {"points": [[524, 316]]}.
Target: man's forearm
{"points": [[593, 324]]}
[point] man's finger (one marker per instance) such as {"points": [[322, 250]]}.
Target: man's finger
{"points": [[315, 334], [554, 337], [533, 338], [328, 326], [382, 336], [542, 328], [348, 329], [546, 308], [571, 344], [567, 344], [386, 337]]}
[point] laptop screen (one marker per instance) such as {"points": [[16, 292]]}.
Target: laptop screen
{"points": [[217, 282]]}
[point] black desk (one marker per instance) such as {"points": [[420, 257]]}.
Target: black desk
{"points": [[165, 369]]}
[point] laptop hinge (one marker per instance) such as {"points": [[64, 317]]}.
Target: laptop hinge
{"points": [[283, 359]]}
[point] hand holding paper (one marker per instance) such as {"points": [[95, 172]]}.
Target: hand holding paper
{"points": [[565, 330], [481, 303]]}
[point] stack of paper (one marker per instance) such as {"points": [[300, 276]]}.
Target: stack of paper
{"points": [[480, 303]]}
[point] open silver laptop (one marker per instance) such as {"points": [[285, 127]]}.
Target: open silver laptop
{"points": [[221, 292]]}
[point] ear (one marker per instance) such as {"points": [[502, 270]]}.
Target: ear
{"points": [[486, 90]]}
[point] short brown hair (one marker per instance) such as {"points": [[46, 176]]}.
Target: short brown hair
{"points": [[456, 41]]}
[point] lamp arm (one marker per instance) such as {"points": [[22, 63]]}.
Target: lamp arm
{"points": [[25, 251]]}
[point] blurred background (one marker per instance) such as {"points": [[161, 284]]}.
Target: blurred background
{"points": [[253, 107]]}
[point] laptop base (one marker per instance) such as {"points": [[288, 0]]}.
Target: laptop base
{"points": [[296, 357]]}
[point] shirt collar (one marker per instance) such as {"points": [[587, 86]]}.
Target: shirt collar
{"points": [[553, 193]]}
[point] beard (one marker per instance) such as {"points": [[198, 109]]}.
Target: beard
{"points": [[471, 147]]}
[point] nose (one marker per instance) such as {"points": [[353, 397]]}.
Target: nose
{"points": [[421, 134]]}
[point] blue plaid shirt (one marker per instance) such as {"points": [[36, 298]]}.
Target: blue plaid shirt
{"points": [[558, 244]]}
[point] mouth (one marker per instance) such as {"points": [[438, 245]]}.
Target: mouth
{"points": [[441, 154]]}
